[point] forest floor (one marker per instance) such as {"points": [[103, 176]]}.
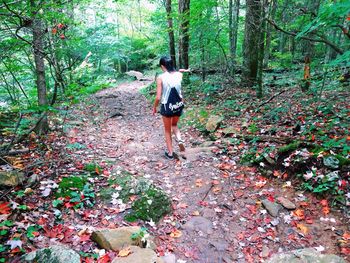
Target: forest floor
{"points": [[217, 213]]}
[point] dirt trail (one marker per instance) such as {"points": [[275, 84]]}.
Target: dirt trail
{"points": [[217, 202]]}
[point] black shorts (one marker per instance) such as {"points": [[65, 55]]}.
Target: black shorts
{"points": [[162, 112]]}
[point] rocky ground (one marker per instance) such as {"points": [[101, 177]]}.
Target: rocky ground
{"points": [[222, 211]]}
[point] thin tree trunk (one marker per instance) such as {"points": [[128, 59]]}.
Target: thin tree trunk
{"points": [[269, 27], [233, 31], [38, 34], [282, 37], [251, 42], [170, 32], [184, 38], [263, 28]]}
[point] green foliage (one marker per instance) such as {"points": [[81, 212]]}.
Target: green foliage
{"points": [[152, 205], [93, 168], [70, 184]]}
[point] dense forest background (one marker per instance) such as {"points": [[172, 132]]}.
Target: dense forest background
{"points": [[275, 74]]}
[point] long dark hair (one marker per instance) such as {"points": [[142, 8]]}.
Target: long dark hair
{"points": [[167, 63]]}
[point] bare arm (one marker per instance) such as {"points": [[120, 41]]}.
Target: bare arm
{"points": [[158, 95], [184, 70]]}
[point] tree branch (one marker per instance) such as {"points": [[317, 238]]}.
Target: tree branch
{"points": [[321, 40]]}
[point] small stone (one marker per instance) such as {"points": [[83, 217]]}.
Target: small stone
{"points": [[307, 255], [219, 245], [199, 223], [139, 255], [271, 207], [331, 162], [115, 239], [169, 258], [28, 191], [265, 252], [12, 178], [286, 203], [207, 144], [56, 253], [229, 130], [213, 123]]}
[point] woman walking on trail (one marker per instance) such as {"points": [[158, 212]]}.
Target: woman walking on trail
{"points": [[169, 94]]}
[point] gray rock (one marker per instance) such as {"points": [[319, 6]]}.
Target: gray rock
{"points": [[220, 245], [115, 239], [11, 179], [307, 255], [169, 258], [207, 144], [54, 254], [331, 162], [132, 73], [265, 252], [271, 207], [229, 130], [139, 255], [199, 223], [213, 123], [286, 203]]}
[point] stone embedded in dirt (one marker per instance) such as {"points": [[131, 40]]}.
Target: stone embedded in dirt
{"points": [[12, 178], [132, 73], [271, 207], [229, 130], [220, 245], [213, 123], [207, 144], [115, 239], [139, 255], [56, 253], [169, 258], [286, 203], [265, 252], [306, 255], [199, 223], [207, 212]]}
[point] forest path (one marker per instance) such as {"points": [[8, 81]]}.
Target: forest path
{"points": [[216, 201]]}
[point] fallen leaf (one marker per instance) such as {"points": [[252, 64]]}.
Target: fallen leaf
{"points": [[303, 228], [5, 208], [199, 183], [325, 210], [195, 213], [124, 252], [182, 205], [346, 236], [299, 214], [324, 202], [216, 190], [176, 233]]}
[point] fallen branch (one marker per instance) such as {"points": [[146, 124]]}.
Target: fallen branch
{"points": [[270, 99]]}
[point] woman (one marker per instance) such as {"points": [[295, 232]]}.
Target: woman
{"points": [[169, 88]]}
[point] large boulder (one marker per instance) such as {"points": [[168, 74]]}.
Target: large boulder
{"points": [[11, 178], [53, 254], [115, 239], [307, 255], [213, 123], [136, 74], [139, 255]]}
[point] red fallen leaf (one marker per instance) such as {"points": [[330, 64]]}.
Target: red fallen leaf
{"points": [[54, 231], [239, 193], [313, 137], [271, 198], [304, 204], [215, 182], [252, 209], [85, 237], [309, 221], [68, 235], [182, 205], [324, 202], [267, 220], [276, 173], [346, 236], [69, 204], [59, 25], [348, 18], [105, 172], [97, 170], [104, 259], [54, 31], [42, 221], [160, 251], [203, 203], [88, 260], [345, 250], [5, 208], [15, 250]]}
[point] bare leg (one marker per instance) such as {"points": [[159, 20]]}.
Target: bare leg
{"points": [[167, 133], [176, 131]]}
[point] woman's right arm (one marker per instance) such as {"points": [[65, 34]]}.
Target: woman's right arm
{"points": [[158, 95]]}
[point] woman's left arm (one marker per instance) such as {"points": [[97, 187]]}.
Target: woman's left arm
{"points": [[158, 95]]}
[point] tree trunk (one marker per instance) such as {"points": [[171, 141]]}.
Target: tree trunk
{"points": [[251, 42], [184, 38], [171, 32], [263, 28], [282, 36], [233, 31], [269, 27], [38, 51]]}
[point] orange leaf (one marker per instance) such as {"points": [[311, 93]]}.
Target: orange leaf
{"points": [[4, 208], [176, 233], [216, 190], [199, 182], [325, 210], [324, 202], [124, 252], [97, 170], [182, 205], [276, 173], [303, 228], [313, 137], [195, 213], [299, 214], [346, 236]]}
